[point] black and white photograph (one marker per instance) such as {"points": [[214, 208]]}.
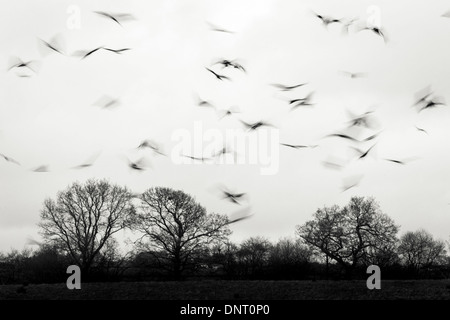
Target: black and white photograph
{"points": [[223, 156]]}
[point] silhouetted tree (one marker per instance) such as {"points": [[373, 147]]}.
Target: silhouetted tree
{"points": [[47, 264], [222, 259], [84, 217], [253, 255], [351, 236], [13, 266], [418, 250], [176, 229], [289, 258], [110, 262]]}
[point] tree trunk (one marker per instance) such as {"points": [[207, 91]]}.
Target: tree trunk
{"points": [[349, 271], [85, 269], [177, 268]]}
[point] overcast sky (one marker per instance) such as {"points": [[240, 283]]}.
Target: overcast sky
{"points": [[50, 116]]}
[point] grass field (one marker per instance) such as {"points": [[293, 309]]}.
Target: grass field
{"points": [[235, 290]]}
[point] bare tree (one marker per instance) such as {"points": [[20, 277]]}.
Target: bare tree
{"points": [[353, 235], [84, 217], [176, 229], [290, 259], [222, 258], [253, 255], [289, 251], [419, 250], [111, 262]]}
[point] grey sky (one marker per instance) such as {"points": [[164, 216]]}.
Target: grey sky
{"points": [[49, 118]]}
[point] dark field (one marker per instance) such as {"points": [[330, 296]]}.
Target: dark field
{"points": [[235, 290]]}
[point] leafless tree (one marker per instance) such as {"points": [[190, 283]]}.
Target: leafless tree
{"points": [[111, 262], [418, 250], [253, 255], [289, 251], [353, 235], [84, 217], [176, 229]]}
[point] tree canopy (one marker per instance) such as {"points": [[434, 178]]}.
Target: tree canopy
{"points": [[84, 217], [355, 234], [175, 228]]}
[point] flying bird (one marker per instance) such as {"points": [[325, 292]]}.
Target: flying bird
{"points": [[9, 159], [32, 242], [231, 196], [117, 17], [239, 215], [296, 100], [326, 20], [283, 87], [377, 31], [55, 44], [155, 147], [425, 99], [421, 130], [255, 125], [395, 161], [231, 64], [353, 75], [138, 165], [341, 135], [297, 146], [363, 154], [43, 168], [218, 29], [223, 151], [351, 182], [202, 158], [218, 76], [334, 163], [222, 113], [306, 101], [89, 162], [363, 120], [371, 137], [15, 62], [203, 103], [402, 162], [118, 51], [84, 54], [422, 95], [431, 104], [234, 220], [107, 102]]}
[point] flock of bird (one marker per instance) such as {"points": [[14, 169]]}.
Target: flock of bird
{"points": [[424, 100]]}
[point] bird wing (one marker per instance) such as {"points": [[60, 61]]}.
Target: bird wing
{"points": [[215, 28], [240, 215], [212, 72], [340, 135], [107, 15], [9, 159], [124, 16], [43, 168], [91, 52]]}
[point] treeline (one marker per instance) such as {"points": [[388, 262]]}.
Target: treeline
{"points": [[253, 259], [180, 240]]}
